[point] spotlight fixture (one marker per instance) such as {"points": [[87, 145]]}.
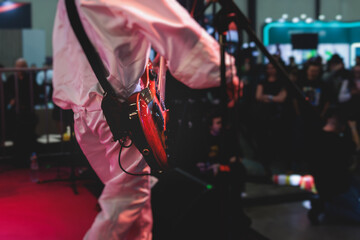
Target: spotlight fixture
{"points": [[268, 20], [309, 20], [295, 20], [322, 17], [338, 17], [303, 16]]}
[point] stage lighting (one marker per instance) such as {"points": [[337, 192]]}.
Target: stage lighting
{"points": [[295, 20], [268, 20], [338, 17], [309, 20]]}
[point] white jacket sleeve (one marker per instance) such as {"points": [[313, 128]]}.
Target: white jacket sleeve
{"points": [[193, 55]]}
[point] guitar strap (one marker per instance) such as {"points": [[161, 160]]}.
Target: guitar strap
{"points": [[116, 112]]}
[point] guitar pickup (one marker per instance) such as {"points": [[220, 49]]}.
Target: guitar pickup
{"points": [[147, 95], [158, 117]]}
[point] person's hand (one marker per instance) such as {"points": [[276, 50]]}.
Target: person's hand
{"points": [[215, 168], [11, 104], [266, 98], [269, 98], [232, 159], [233, 88]]}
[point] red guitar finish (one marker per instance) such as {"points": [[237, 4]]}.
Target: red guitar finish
{"points": [[148, 119]]}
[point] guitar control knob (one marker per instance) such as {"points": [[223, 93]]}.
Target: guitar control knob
{"points": [[145, 152]]}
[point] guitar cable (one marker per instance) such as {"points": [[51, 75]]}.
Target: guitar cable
{"points": [[122, 145]]}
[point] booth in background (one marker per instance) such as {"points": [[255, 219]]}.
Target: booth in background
{"points": [[304, 40]]}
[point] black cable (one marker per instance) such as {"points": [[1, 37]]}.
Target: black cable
{"points": [[122, 145]]}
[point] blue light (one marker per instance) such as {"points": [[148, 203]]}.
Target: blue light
{"points": [[7, 3]]}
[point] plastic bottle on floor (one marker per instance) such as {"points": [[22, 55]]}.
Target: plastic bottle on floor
{"points": [[305, 182], [285, 179], [34, 168]]}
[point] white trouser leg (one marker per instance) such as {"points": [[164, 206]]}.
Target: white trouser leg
{"points": [[125, 201]]}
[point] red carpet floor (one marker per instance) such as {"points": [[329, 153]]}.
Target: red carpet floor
{"points": [[46, 211]]}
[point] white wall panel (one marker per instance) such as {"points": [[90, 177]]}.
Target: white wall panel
{"points": [[276, 8], [33, 46], [43, 15]]}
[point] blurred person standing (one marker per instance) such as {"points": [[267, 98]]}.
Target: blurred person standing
{"points": [[44, 81], [269, 118], [314, 89], [316, 93], [349, 94], [334, 76], [22, 119]]}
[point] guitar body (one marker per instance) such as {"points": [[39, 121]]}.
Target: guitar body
{"points": [[148, 119]]}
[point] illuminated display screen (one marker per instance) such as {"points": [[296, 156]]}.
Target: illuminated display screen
{"points": [[324, 50]]}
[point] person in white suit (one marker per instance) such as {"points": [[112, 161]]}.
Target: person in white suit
{"points": [[123, 32]]}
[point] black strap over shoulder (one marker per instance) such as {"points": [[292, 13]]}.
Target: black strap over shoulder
{"points": [[115, 112], [92, 55]]}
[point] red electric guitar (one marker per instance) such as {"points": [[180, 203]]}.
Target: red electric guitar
{"points": [[148, 118]]}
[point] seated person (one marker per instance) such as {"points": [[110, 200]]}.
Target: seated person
{"points": [[220, 164], [220, 156]]}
